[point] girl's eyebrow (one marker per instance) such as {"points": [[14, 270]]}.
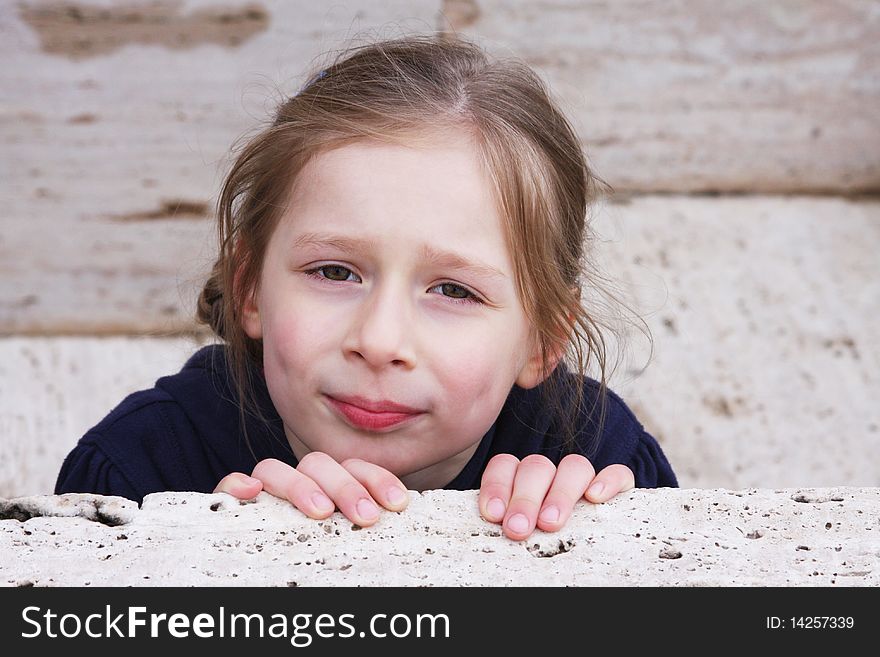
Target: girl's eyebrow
{"points": [[436, 257]]}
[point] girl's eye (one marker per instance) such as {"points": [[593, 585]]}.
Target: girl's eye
{"points": [[458, 293], [338, 273]]}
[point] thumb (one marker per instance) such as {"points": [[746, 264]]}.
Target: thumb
{"points": [[239, 485]]}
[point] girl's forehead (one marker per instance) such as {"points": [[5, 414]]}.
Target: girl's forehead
{"points": [[373, 160], [371, 197], [445, 181]]}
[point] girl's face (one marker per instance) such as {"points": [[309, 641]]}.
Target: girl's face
{"points": [[388, 279]]}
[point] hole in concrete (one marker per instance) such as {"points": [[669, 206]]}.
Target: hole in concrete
{"points": [[13, 511], [560, 547], [755, 534], [667, 553], [25, 509], [815, 498], [106, 518]]}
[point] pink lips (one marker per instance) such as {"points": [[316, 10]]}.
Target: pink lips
{"points": [[373, 416]]}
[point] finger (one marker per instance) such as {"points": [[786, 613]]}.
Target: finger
{"points": [[496, 486], [239, 485], [609, 482], [284, 481], [339, 484], [533, 478], [383, 486], [573, 474]]}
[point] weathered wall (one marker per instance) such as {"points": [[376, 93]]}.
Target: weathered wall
{"points": [[663, 537], [117, 119], [764, 370]]}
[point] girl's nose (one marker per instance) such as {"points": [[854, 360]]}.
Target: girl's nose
{"points": [[381, 331]]}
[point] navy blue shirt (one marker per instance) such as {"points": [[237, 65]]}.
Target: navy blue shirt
{"points": [[184, 434]]}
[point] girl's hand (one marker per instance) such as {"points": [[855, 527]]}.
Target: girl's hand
{"points": [[318, 485], [523, 494]]}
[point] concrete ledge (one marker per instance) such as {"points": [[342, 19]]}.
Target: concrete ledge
{"points": [[663, 537]]}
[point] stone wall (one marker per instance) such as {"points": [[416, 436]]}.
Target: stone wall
{"points": [[742, 143], [662, 537], [763, 370], [118, 120]]}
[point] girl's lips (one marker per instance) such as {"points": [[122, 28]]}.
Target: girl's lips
{"points": [[361, 418]]}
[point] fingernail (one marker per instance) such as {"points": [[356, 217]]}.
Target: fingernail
{"points": [[396, 496], [550, 514], [322, 502], [366, 509], [495, 508], [596, 489], [518, 523], [250, 481]]}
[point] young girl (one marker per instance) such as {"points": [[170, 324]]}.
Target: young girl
{"points": [[399, 281]]}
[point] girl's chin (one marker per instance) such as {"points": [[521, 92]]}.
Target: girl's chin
{"points": [[388, 459], [391, 451]]}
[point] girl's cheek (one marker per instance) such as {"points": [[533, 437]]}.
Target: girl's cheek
{"points": [[473, 377], [299, 348], [305, 323]]}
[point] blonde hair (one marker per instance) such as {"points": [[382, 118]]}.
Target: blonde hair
{"points": [[407, 90]]}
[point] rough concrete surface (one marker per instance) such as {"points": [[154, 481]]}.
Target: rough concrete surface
{"points": [[52, 390], [663, 537], [764, 371]]}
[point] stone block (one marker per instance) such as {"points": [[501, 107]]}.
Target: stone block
{"points": [[661, 537]]}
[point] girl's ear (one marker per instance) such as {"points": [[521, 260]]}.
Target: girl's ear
{"points": [[250, 311], [534, 371], [250, 317]]}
